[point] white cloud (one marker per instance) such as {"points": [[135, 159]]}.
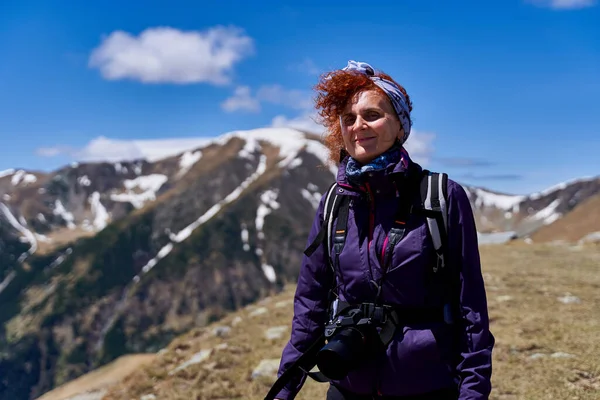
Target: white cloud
{"points": [[241, 100], [113, 150], [168, 55], [307, 66], [52, 151], [420, 146], [306, 122], [277, 94], [564, 4]]}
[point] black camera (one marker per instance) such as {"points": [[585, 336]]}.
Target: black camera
{"points": [[351, 338]]}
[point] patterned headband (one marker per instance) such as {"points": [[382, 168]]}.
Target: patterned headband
{"points": [[394, 93]]}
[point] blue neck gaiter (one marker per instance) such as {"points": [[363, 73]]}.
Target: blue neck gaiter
{"points": [[355, 170]]}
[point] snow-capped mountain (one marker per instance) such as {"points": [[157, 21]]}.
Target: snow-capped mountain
{"points": [[100, 259], [523, 215]]}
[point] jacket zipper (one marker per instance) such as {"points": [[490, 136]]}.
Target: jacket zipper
{"points": [[371, 199]]}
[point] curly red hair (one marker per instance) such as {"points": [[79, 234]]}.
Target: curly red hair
{"points": [[334, 90]]}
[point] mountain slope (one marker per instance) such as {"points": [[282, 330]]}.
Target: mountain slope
{"points": [[523, 215], [582, 220], [227, 234]]}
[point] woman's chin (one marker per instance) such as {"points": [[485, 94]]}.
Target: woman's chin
{"points": [[366, 153]]}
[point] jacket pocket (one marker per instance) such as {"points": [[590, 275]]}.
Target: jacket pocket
{"points": [[414, 364]]}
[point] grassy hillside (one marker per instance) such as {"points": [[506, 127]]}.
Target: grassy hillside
{"points": [[543, 300]]}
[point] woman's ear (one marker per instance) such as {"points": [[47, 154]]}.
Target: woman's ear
{"points": [[400, 135]]}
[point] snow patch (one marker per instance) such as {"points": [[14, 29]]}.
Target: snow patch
{"points": [[21, 176], [16, 178], [548, 214], [60, 210], [6, 172], [149, 185], [269, 272], [7, 280], [322, 153], [61, 258], [84, 180], [162, 253], [296, 162], [27, 235], [187, 231], [245, 237], [269, 203], [483, 199], [42, 238], [495, 237], [187, 160], [252, 146], [313, 198], [561, 186], [101, 217]]}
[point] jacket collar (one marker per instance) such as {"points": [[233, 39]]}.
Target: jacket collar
{"points": [[380, 181]]}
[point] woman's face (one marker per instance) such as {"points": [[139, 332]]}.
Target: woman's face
{"points": [[369, 125]]}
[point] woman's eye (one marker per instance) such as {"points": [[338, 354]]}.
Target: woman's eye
{"points": [[349, 120], [373, 115]]}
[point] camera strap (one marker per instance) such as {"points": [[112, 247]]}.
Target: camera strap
{"points": [[304, 363]]}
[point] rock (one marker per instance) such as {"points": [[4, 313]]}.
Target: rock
{"points": [[258, 311], [275, 332], [283, 303], [221, 331], [502, 299], [568, 298], [196, 358], [266, 368], [95, 395], [236, 321], [148, 397], [560, 354], [536, 356]]}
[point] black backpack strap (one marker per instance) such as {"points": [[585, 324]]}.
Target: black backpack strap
{"points": [[341, 227], [330, 207], [434, 198]]}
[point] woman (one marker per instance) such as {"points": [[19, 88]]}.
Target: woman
{"points": [[367, 115]]}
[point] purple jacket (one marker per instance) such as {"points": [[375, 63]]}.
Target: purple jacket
{"points": [[419, 359]]}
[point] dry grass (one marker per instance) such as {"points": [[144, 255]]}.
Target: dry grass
{"points": [[100, 379], [546, 349]]}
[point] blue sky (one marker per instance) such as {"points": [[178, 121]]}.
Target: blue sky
{"points": [[506, 93]]}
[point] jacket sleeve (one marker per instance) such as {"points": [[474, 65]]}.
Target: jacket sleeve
{"points": [[310, 308], [475, 362]]}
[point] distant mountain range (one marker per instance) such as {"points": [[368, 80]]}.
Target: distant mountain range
{"points": [[102, 259]]}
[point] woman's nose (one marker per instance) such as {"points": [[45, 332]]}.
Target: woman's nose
{"points": [[360, 123]]}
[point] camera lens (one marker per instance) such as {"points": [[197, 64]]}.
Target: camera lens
{"points": [[342, 353]]}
